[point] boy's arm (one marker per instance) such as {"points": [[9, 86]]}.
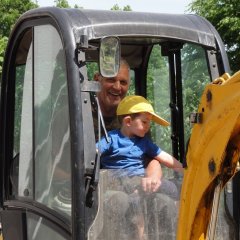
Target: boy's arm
{"points": [[153, 174], [169, 161]]}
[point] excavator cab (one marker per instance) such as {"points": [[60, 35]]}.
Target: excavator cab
{"points": [[52, 184]]}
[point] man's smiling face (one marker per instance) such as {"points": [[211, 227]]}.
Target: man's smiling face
{"points": [[113, 90]]}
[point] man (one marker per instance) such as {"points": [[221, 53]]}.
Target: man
{"points": [[113, 90]]}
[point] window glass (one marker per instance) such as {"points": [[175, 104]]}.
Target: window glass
{"points": [[20, 72], [195, 76], [41, 151], [127, 212], [51, 121], [23, 115], [132, 90], [39, 228], [92, 68], [159, 96]]}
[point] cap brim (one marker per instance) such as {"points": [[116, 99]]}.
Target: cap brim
{"points": [[159, 120]]}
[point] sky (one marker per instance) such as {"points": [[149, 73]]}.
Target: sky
{"points": [[160, 6]]}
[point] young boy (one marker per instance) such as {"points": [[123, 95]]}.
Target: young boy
{"points": [[128, 147]]}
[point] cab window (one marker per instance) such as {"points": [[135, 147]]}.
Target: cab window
{"points": [[41, 167], [195, 76]]}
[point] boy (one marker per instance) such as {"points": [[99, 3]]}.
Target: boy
{"points": [[129, 146], [127, 149]]}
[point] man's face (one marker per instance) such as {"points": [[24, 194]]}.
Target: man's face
{"points": [[113, 90]]}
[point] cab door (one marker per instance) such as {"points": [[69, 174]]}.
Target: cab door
{"points": [[35, 137]]}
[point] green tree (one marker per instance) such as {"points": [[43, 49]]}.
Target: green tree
{"points": [[3, 43], [127, 8], [117, 8], [10, 12], [62, 4], [225, 16]]}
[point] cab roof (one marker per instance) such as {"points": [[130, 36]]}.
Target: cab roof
{"points": [[99, 23]]}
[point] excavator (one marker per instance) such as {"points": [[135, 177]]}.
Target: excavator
{"points": [[212, 158], [52, 183]]}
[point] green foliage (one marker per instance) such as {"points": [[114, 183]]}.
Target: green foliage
{"points": [[3, 43], [92, 68], [117, 8], [62, 4], [225, 16], [10, 12], [127, 8]]}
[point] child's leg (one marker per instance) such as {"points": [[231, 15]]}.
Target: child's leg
{"points": [[138, 215]]}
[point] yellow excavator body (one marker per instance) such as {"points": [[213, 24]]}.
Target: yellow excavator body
{"points": [[212, 156]]}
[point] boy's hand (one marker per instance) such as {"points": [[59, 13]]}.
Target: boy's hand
{"points": [[153, 174], [151, 184]]}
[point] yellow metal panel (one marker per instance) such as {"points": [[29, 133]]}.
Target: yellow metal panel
{"points": [[211, 143]]}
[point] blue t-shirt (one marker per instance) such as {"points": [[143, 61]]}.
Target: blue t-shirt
{"points": [[126, 153]]}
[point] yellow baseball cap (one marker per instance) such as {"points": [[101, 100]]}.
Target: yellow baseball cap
{"points": [[137, 104]]}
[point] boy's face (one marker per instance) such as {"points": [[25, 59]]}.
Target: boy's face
{"points": [[140, 125]]}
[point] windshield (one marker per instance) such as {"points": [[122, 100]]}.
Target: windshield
{"points": [[126, 212]]}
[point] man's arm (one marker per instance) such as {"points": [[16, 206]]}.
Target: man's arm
{"points": [[153, 174]]}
